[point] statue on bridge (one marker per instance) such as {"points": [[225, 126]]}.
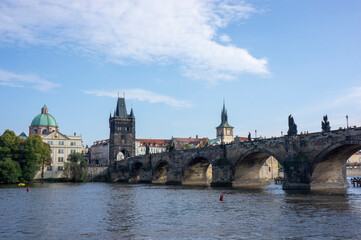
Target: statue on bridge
{"points": [[292, 127], [325, 124], [249, 136]]}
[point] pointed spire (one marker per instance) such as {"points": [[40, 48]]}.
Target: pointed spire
{"points": [[110, 115], [224, 113], [131, 115], [224, 117], [121, 110]]}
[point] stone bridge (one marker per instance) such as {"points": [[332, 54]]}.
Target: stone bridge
{"points": [[310, 161]]}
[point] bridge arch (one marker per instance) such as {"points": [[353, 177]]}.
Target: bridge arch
{"points": [[160, 172], [247, 169], [121, 155], [328, 168], [198, 171]]}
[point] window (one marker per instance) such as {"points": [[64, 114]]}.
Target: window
{"points": [[50, 142], [60, 150], [35, 131], [73, 151], [61, 142], [60, 159], [49, 168], [72, 143], [60, 168]]}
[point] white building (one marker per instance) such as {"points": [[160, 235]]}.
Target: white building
{"points": [[155, 146], [60, 145]]}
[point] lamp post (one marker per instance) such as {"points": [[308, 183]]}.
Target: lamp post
{"points": [[347, 120], [255, 133]]}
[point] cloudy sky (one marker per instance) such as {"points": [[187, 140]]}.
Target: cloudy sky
{"points": [[176, 61]]}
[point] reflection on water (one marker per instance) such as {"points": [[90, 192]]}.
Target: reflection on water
{"points": [[121, 211]]}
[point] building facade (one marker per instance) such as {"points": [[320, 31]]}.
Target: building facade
{"points": [[153, 146], [61, 145], [122, 133], [99, 153]]}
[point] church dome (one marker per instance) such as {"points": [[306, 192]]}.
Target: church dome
{"points": [[44, 119]]}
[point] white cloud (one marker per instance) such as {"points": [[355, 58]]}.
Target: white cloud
{"points": [[25, 80], [143, 96], [125, 31], [225, 38]]}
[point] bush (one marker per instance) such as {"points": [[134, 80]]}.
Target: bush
{"points": [[10, 171]]}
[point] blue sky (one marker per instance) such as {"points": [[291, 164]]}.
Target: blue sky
{"points": [[176, 61]]}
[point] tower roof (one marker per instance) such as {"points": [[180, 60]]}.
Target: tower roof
{"points": [[224, 118], [131, 115], [44, 119], [121, 110]]}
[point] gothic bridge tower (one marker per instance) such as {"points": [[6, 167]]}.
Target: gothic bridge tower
{"points": [[224, 130], [122, 133]]}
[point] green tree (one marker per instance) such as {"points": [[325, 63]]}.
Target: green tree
{"points": [[9, 146], [76, 169], [9, 171], [187, 146], [37, 154]]}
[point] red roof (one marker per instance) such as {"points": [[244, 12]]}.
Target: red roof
{"points": [[153, 142]]}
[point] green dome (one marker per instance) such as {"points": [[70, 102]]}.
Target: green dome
{"points": [[44, 119]]}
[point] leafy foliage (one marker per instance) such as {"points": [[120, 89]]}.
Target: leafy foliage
{"points": [[76, 170], [37, 154], [9, 145], [9, 171], [24, 157]]}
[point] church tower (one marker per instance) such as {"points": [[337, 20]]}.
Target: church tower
{"points": [[224, 130], [122, 133]]}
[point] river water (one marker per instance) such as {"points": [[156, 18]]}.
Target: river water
{"points": [[124, 211]]}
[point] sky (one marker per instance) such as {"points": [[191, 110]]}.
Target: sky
{"points": [[177, 61]]}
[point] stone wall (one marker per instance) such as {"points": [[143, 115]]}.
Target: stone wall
{"points": [[97, 174], [353, 172]]}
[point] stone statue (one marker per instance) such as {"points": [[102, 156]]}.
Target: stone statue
{"points": [[249, 137], [325, 124], [292, 127]]}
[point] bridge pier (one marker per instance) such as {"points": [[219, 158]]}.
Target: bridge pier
{"points": [[297, 173]]}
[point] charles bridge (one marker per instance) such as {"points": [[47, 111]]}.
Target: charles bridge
{"points": [[310, 161]]}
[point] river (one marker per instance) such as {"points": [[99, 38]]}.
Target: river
{"points": [[145, 211]]}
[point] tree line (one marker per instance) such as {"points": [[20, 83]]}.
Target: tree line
{"points": [[20, 160]]}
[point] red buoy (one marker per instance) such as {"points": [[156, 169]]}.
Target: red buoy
{"points": [[221, 197], [27, 189]]}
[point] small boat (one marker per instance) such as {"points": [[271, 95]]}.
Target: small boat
{"points": [[21, 184]]}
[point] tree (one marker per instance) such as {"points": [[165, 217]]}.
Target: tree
{"points": [[76, 169], [37, 154], [9, 171], [9, 146]]}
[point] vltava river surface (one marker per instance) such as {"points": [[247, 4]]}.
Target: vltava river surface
{"points": [[121, 211]]}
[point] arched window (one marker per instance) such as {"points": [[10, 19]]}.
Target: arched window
{"points": [[44, 131], [120, 156], [35, 131]]}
